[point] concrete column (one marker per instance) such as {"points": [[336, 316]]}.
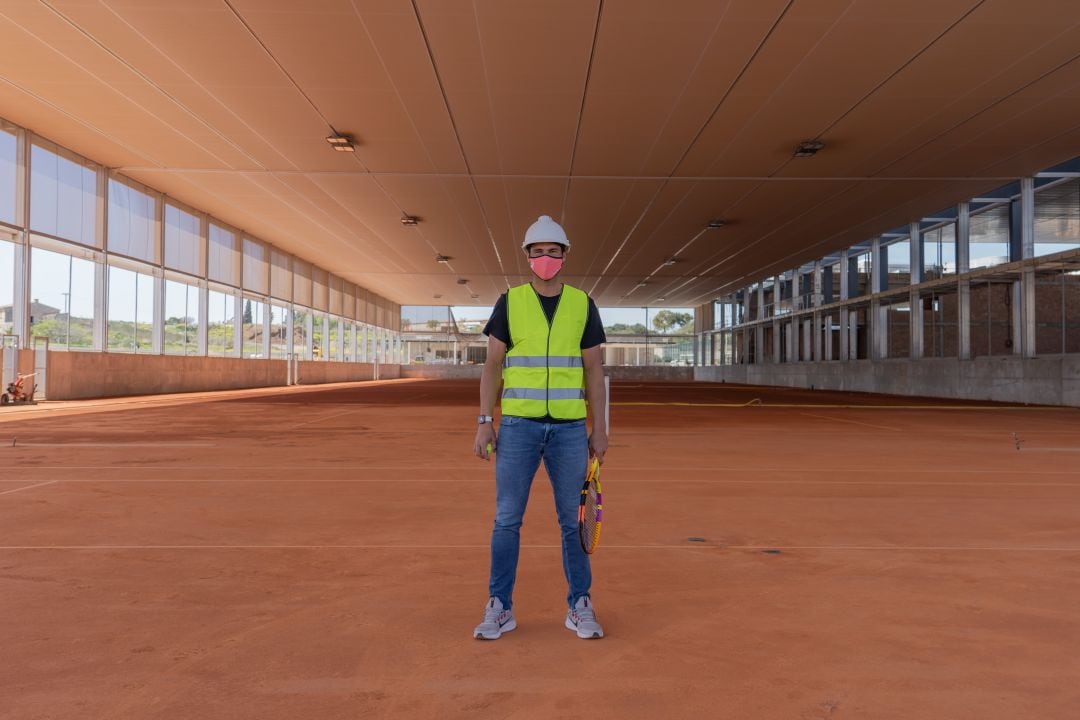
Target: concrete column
{"points": [[268, 311], [21, 295], [201, 336], [157, 335], [963, 265], [879, 327], [826, 334], [20, 312], [1027, 278], [101, 293], [916, 315], [845, 293], [238, 325]]}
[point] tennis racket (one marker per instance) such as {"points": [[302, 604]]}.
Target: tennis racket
{"points": [[590, 510]]}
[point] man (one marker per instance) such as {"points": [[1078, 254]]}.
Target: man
{"points": [[544, 342]]}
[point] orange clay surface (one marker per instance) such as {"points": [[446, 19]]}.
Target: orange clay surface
{"points": [[322, 553]]}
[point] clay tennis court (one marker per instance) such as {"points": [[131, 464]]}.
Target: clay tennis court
{"points": [[322, 553]]}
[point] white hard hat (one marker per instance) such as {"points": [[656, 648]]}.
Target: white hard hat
{"points": [[545, 230]]}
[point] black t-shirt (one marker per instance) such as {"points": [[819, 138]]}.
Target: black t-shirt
{"points": [[498, 327]]}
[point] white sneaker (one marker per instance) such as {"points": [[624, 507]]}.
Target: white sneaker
{"points": [[496, 621], [582, 620]]}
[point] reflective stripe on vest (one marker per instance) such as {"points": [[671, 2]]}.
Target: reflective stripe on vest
{"points": [[543, 394], [543, 373], [552, 361]]}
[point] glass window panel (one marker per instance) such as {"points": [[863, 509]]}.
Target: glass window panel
{"points": [[897, 257], [279, 329], [1057, 218], [333, 339], [7, 287], [63, 197], [349, 342], [301, 317], [320, 290], [183, 241], [281, 280], [223, 256], [318, 336], [9, 169], [62, 299], [130, 311], [181, 318], [132, 222], [990, 237], [256, 267], [939, 252], [221, 338], [253, 328]]}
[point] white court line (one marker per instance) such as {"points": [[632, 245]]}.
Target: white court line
{"points": [[609, 467], [27, 487], [485, 546], [623, 481], [325, 417], [113, 444], [852, 422], [1042, 449]]}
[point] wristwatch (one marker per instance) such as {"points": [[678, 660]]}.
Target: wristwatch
{"points": [[481, 419]]}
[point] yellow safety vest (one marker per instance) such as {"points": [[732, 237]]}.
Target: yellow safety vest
{"points": [[543, 373]]}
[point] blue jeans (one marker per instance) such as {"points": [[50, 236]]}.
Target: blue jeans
{"points": [[564, 448]]}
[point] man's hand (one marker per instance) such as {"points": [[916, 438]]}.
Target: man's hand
{"points": [[598, 445], [485, 438]]}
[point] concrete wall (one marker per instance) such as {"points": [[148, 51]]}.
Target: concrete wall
{"points": [[310, 372], [654, 373], [1053, 380], [85, 375]]}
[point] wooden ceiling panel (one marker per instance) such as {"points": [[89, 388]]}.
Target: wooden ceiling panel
{"points": [[536, 84], [803, 106], [470, 113], [444, 227], [451, 30], [643, 59], [786, 47]]}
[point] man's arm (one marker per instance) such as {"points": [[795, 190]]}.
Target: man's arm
{"points": [[593, 360], [490, 383]]}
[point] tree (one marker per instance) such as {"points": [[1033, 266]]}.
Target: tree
{"points": [[667, 320], [247, 312], [624, 329], [433, 324]]}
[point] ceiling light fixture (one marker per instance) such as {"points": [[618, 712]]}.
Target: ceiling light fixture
{"points": [[341, 142], [809, 148], [409, 220], [716, 224], [442, 259], [660, 300], [436, 296], [669, 262], [462, 281], [474, 296]]}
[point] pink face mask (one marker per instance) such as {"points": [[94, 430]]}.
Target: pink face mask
{"points": [[546, 267]]}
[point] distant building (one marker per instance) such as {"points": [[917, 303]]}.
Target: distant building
{"points": [[38, 311]]}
